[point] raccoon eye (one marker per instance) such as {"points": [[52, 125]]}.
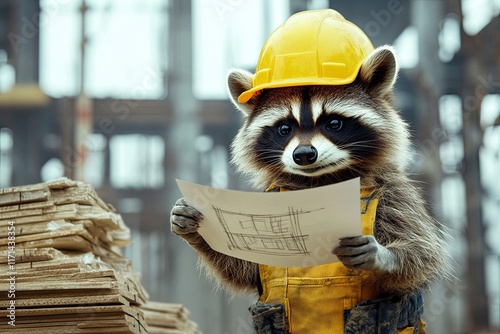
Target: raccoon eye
{"points": [[334, 124], [284, 130]]}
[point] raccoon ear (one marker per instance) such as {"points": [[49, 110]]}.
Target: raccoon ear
{"points": [[239, 81], [379, 71]]}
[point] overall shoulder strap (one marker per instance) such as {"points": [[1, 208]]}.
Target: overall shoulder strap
{"points": [[369, 203]]}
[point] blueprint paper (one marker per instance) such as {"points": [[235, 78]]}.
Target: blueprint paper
{"points": [[288, 229]]}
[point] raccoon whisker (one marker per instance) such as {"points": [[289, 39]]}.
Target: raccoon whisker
{"points": [[357, 159], [328, 154], [269, 153], [351, 168], [270, 139], [354, 169], [351, 138], [365, 143], [273, 161], [275, 167], [358, 145], [357, 170]]}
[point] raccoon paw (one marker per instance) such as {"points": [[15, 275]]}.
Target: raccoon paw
{"points": [[364, 252], [184, 219]]}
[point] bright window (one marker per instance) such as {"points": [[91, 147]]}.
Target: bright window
{"points": [[125, 53]]}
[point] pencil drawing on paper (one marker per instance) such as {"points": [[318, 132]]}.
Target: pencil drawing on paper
{"points": [[274, 234]]}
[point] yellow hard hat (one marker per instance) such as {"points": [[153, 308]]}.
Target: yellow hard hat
{"points": [[315, 47]]}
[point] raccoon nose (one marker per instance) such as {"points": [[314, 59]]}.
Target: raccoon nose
{"points": [[305, 155]]}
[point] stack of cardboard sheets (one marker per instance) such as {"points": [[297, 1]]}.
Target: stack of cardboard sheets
{"points": [[68, 274], [165, 318]]}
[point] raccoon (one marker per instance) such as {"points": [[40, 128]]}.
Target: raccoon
{"points": [[314, 135], [320, 110]]}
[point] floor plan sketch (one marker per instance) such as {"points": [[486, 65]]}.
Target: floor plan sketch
{"points": [[288, 229], [277, 234]]}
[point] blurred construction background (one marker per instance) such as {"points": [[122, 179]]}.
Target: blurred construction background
{"points": [[129, 95]]}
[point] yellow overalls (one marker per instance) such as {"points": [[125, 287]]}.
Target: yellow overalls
{"points": [[315, 299]]}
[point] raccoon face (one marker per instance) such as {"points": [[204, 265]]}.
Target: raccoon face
{"points": [[312, 131], [316, 135], [313, 134]]}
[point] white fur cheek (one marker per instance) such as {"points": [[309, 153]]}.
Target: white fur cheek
{"points": [[328, 153], [287, 156], [241, 145]]}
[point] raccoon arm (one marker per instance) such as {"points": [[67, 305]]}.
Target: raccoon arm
{"points": [[419, 255], [227, 271]]}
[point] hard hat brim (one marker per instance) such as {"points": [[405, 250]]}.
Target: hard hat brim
{"points": [[247, 95]]}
